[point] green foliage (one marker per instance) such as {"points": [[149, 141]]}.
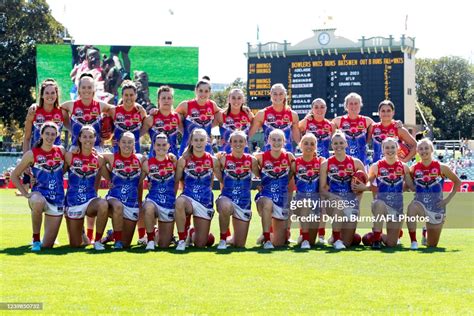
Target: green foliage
{"points": [[220, 97], [445, 86], [27, 23]]}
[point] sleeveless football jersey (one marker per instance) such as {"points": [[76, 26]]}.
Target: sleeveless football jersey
{"points": [[81, 179], [161, 182], [390, 183], [323, 132], [429, 184], [278, 120], [198, 177], [307, 175], [167, 125], [379, 133], [125, 179], [275, 178], [127, 121], [41, 116], [233, 122], [85, 115], [356, 135], [48, 172], [199, 116], [237, 175], [340, 174]]}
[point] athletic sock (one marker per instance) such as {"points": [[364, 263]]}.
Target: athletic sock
{"points": [[336, 236], [412, 236], [266, 236], [141, 232], [36, 237], [151, 236], [118, 235], [224, 236], [98, 236], [182, 235], [377, 236], [90, 233], [305, 236], [321, 232]]}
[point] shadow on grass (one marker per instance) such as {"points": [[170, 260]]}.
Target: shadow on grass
{"points": [[65, 250]]}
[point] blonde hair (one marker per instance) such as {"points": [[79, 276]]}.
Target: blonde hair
{"points": [[277, 132], [426, 141], [189, 150], [340, 134], [389, 140], [350, 96], [237, 133]]}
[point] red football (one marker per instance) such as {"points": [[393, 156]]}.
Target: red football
{"points": [[356, 240], [210, 240], [107, 127], [359, 176], [367, 239], [403, 150]]}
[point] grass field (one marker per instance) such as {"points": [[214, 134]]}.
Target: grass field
{"points": [[251, 280], [163, 64]]}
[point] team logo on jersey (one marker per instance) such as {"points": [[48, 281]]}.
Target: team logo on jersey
{"points": [[162, 174], [307, 173], [49, 165], [40, 119], [201, 119], [57, 118], [84, 118]]}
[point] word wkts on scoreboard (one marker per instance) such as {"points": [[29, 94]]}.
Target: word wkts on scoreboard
{"points": [[375, 77]]}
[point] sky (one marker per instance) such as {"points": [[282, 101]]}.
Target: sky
{"points": [[222, 29]]}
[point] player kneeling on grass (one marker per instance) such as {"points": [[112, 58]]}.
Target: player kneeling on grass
{"points": [[124, 197], [235, 170], [195, 168], [306, 170], [272, 200], [390, 174], [160, 201], [81, 198], [428, 176], [335, 184], [47, 195]]}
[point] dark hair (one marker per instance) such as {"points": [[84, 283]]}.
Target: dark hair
{"points": [[120, 138], [46, 83], [387, 102], [160, 91], [204, 80], [45, 125], [128, 84], [85, 127]]}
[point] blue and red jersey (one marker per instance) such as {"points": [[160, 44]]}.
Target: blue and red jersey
{"points": [[379, 133], [42, 116], [356, 135], [198, 179], [85, 115], [282, 120], [161, 182], [323, 132], [237, 175], [233, 122], [199, 116], [307, 175], [127, 121], [125, 176], [48, 172], [168, 125], [275, 178], [429, 184], [390, 183], [340, 174], [82, 176]]}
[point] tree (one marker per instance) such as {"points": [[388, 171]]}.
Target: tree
{"points": [[221, 97], [24, 24], [445, 86]]}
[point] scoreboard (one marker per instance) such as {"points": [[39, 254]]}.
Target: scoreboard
{"points": [[375, 76]]}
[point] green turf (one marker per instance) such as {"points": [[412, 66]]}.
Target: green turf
{"points": [[163, 64], [252, 281]]}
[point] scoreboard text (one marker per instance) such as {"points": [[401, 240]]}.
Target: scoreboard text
{"points": [[375, 77]]}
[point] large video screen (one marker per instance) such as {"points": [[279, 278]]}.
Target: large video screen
{"points": [[175, 66], [375, 76]]}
